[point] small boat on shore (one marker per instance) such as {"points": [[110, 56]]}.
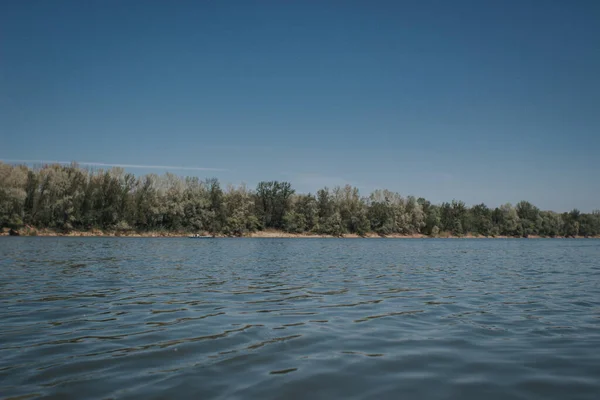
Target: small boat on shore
{"points": [[197, 236]]}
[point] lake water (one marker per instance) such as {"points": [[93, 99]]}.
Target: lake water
{"points": [[107, 318]]}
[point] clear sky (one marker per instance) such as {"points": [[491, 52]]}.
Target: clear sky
{"points": [[484, 101]]}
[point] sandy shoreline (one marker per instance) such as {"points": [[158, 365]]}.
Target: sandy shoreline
{"points": [[258, 234]]}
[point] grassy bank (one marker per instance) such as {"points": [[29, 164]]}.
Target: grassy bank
{"points": [[31, 231]]}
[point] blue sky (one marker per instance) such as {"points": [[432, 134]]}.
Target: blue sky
{"points": [[484, 101]]}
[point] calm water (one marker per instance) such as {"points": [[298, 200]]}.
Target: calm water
{"points": [[293, 318]]}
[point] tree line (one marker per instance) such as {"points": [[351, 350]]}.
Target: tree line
{"points": [[67, 197]]}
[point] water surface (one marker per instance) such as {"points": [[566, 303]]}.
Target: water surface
{"points": [[107, 318]]}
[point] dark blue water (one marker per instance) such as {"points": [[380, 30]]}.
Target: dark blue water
{"points": [[292, 318]]}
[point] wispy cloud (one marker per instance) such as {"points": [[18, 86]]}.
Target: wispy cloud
{"points": [[98, 164]]}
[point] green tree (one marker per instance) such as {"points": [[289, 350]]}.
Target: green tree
{"points": [[432, 217], [551, 224], [589, 224], [147, 203], [273, 201], [334, 225], [415, 215], [173, 207], [529, 218], [325, 208], [13, 181], [381, 213], [453, 217], [215, 206], [481, 220], [66, 197], [196, 205], [508, 221], [352, 209], [239, 209], [571, 223], [304, 216]]}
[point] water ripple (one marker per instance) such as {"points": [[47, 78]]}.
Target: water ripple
{"points": [[175, 318]]}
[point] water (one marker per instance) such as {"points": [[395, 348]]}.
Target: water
{"points": [[291, 318]]}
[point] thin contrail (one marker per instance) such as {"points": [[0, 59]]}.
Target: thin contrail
{"points": [[97, 164]]}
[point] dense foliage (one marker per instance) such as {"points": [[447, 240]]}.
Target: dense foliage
{"points": [[71, 198]]}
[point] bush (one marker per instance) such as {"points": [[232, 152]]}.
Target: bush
{"points": [[122, 226]]}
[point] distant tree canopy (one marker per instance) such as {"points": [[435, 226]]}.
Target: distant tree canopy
{"points": [[71, 198]]}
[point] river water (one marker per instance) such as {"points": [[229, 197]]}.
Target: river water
{"points": [[108, 318]]}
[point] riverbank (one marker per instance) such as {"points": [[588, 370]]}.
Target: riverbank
{"points": [[30, 231]]}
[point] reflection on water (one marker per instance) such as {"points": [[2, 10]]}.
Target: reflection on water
{"points": [[293, 318]]}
